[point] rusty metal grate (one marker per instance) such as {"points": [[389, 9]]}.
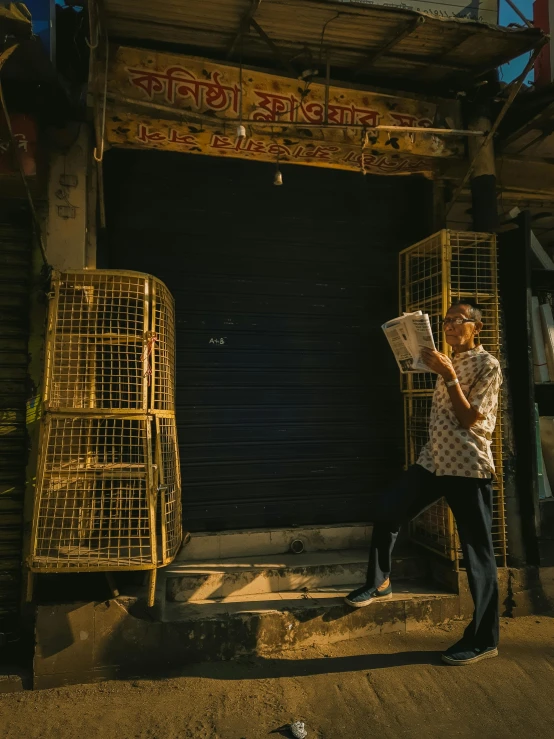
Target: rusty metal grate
{"points": [[163, 364], [443, 268], [111, 343], [434, 273], [95, 499], [108, 482], [169, 486], [97, 336]]}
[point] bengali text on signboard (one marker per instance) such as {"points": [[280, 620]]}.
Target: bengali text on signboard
{"points": [[284, 118]]}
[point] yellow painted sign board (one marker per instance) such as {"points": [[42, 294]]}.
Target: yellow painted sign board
{"points": [[193, 105]]}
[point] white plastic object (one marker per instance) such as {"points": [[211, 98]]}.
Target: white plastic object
{"points": [[298, 730]]}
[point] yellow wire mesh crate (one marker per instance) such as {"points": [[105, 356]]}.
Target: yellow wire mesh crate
{"points": [[108, 492], [95, 497], [163, 358], [441, 269], [434, 273], [167, 455], [110, 343]]}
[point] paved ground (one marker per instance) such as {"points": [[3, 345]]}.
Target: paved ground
{"points": [[386, 687]]}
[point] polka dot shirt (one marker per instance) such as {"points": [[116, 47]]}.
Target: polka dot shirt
{"points": [[451, 449]]}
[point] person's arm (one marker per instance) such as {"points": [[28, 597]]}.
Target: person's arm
{"points": [[466, 414]]}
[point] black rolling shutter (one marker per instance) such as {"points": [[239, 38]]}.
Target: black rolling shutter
{"points": [[15, 266], [288, 402]]}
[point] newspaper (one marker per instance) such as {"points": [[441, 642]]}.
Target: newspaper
{"points": [[407, 335]]}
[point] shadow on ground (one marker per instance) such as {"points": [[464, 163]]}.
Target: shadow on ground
{"points": [[260, 668]]}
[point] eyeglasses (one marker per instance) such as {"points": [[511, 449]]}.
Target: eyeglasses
{"points": [[457, 321]]}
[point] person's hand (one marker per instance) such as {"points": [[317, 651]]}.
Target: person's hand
{"points": [[438, 363]]}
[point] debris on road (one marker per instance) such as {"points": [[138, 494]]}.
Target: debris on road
{"points": [[298, 730]]}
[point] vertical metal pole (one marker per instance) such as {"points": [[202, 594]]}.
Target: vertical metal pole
{"points": [[40, 472], [154, 334], [446, 277], [92, 212], [93, 347], [407, 380], [145, 334], [161, 488], [327, 85], [50, 339], [407, 401], [152, 576], [446, 259], [151, 492], [499, 461], [100, 194], [483, 177]]}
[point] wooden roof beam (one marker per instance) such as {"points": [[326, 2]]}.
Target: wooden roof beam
{"points": [[440, 58], [274, 48], [405, 30], [244, 25], [536, 122], [428, 63]]}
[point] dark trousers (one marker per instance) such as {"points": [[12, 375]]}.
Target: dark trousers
{"points": [[470, 499]]}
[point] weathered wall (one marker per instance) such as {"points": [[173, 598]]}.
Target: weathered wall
{"points": [[68, 204]]}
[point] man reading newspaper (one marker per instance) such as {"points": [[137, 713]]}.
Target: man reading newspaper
{"points": [[456, 463], [407, 336]]}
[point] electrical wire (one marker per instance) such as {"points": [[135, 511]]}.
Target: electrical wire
{"points": [[90, 44], [99, 158], [323, 31], [240, 81]]}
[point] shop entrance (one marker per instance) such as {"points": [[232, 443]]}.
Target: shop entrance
{"points": [[288, 403]]}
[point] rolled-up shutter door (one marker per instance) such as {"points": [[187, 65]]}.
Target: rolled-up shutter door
{"points": [[15, 266], [289, 409]]}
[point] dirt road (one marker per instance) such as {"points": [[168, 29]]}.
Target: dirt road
{"points": [[385, 687]]}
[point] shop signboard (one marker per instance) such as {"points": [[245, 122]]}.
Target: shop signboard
{"points": [[189, 104]]}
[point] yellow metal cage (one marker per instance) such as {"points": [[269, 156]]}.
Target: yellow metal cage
{"points": [[108, 491], [433, 273]]}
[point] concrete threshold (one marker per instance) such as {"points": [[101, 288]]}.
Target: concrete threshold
{"points": [[277, 573], [302, 603], [227, 627], [259, 542]]}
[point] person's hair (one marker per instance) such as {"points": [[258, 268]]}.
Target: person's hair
{"points": [[474, 309]]}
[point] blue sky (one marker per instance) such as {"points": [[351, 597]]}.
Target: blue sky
{"points": [[509, 71]]}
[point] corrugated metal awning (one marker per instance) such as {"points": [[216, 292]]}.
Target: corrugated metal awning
{"points": [[526, 146], [529, 130], [388, 44]]}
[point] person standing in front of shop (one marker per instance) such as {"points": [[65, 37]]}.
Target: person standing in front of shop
{"points": [[456, 463]]}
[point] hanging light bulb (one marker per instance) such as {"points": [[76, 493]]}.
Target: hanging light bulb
{"points": [[278, 179], [241, 130], [307, 73]]}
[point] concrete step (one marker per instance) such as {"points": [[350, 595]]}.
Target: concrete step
{"points": [[82, 642], [228, 627], [122, 638], [281, 573], [205, 546]]}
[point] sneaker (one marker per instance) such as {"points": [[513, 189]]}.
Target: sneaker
{"points": [[365, 595], [467, 655]]}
